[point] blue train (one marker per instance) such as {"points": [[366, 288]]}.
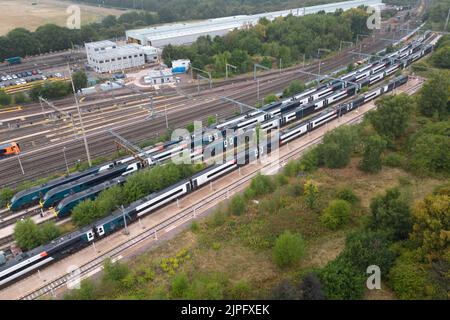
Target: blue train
{"points": [[64, 208], [57, 194]]}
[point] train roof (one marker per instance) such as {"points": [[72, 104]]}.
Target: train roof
{"points": [[56, 181], [44, 248], [6, 145], [84, 179], [94, 189]]}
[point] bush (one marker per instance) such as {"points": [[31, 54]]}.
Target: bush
{"points": [[394, 160], [311, 193], [237, 205], [371, 161], [115, 272], [87, 291], [6, 195], [240, 291], [336, 214], [261, 185], [348, 195], [311, 288], [26, 234], [391, 213], [20, 98], [337, 146], [48, 232], [179, 286], [289, 249], [408, 279], [341, 281], [365, 248], [309, 161], [291, 169]]}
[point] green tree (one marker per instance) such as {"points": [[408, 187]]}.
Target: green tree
{"points": [[337, 146], [373, 148], [365, 248], [391, 118], [114, 272], [289, 249], [80, 80], [237, 205], [434, 95], [441, 58], [431, 218], [5, 99], [294, 87], [48, 232], [270, 98], [6, 195], [26, 234], [348, 195], [336, 214], [341, 281], [391, 213]]}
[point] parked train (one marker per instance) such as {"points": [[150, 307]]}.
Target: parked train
{"points": [[57, 194], [67, 204], [32, 260], [9, 149]]}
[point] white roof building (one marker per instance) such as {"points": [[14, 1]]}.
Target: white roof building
{"points": [[188, 32], [107, 56]]}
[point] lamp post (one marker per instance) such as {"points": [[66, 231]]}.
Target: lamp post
{"points": [[81, 120]]}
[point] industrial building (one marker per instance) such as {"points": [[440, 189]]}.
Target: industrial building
{"points": [[186, 33], [107, 56]]}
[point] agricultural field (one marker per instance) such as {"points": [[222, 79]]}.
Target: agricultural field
{"points": [[22, 13]]}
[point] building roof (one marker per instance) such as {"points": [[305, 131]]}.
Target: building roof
{"points": [[119, 51], [159, 74], [174, 30], [100, 44]]}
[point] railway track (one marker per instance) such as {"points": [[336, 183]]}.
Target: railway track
{"points": [[103, 145]]}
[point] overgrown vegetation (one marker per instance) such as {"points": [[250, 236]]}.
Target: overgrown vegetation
{"points": [[28, 235]]}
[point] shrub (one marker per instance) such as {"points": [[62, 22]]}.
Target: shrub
{"points": [[394, 160], [237, 205], [337, 146], [408, 279], [311, 288], [26, 234], [87, 291], [6, 195], [114, 272], [391, 213], [195, 227], [341, 281], [240, 291], [261, 185], [348, 195], [311, 193], [309, 161], [291, 169], [289, 249], [365, 248], [373, 148], [336, 214], [281, 180], [179, 286]]}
